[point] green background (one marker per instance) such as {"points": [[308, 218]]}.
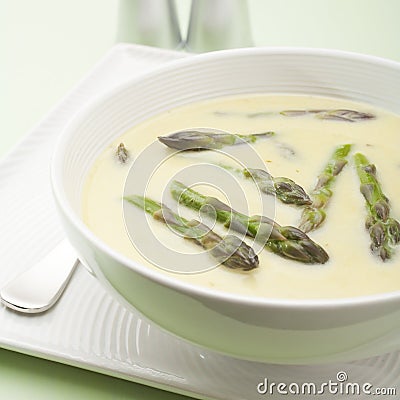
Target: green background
{"points": [[46, 46]]}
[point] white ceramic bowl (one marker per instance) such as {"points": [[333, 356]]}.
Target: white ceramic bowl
{"points": [[282, 331]]}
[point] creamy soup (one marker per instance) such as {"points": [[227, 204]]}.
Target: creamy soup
{"points": [[299, 149]]}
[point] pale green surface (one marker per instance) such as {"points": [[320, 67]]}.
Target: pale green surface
{"points": [[365, 26], [47, 45], [24, 377]]}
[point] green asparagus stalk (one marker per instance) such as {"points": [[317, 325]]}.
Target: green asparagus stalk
{"points": [[285, 189], [336, 115], [286, 241], [384, 231], [314, 215], [203, 139], [229, 251]]}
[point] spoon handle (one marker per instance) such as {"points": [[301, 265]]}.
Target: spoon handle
{"points": [[39, 288]]}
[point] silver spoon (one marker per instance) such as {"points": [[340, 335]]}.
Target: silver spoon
{"points": [[38, 289]]}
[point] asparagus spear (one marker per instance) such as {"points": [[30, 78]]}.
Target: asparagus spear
{"points": [[384, 231], [229, 251], [122, 153], [285, 189], [286, 241], [337, 115], [202, 139], [314, 215], [343, 114]]}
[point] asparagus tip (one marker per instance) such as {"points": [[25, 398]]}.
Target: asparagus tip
{"points": [[122, 153]]}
